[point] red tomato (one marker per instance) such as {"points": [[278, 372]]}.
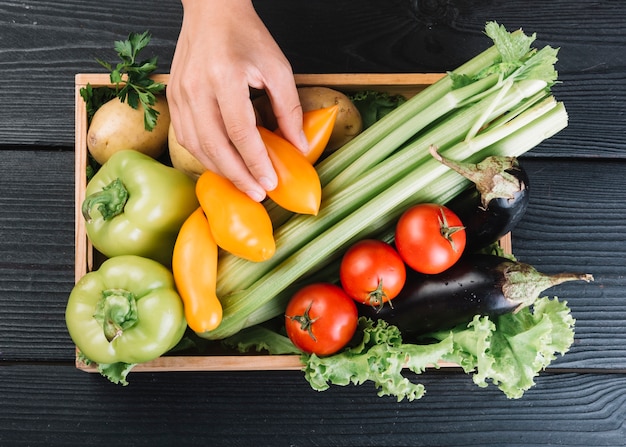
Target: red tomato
{"points": [[321, 319], [430, 238], [372, 272]]}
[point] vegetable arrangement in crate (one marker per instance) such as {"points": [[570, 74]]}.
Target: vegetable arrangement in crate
{"points": [[378, 251]]}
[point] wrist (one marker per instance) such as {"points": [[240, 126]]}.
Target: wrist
{"points": [[215, 4]]}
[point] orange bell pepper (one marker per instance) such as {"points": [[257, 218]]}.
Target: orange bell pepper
{"points": [[239, 225], [299, 189], [194, 265], [318, 126]]}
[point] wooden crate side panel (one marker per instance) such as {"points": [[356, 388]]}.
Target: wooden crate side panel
{"points": [[406, 84]]}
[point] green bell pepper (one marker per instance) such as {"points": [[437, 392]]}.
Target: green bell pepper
{"points": [[136, 205], [127, 311]]}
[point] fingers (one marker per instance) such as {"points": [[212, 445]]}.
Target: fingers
{"points": [[209, 93], [224, 138], [287, 109], [239, 121], [182, 117]]}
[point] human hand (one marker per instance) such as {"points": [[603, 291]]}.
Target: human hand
{"points": [[224, 49]]}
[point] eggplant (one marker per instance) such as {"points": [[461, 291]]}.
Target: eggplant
{"points": [[496, 201], [478, 284]]}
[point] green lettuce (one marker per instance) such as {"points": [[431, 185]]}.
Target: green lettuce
{"points": [[525, 343], [114, 372], [260, 338], [507, 352], [374, 105], [380, 357]]}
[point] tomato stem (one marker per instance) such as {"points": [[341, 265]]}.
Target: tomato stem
{"points": [[306, 323], [447, 231], [377, 297]]}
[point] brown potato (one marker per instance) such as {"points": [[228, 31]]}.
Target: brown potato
{"points": [[116, 126], [348, 125], [181, 158]]}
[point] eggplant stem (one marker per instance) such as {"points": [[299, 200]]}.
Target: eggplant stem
{"points": [[523, 283], [490, 176], [560, 278]]}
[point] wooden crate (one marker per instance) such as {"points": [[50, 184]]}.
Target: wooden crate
{"points": [[406, 84]]}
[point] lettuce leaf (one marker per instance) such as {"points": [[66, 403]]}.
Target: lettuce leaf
{"points": [[379, 357], [260, 338], [508, 352], [116, 373], [525, 343], [373, 105]]}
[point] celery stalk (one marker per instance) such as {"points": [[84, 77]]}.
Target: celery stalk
{"points": [[397, 127], [496, 104], [375, 143], [550, 118], [430, 181], [360, 145], [340, 199], [380, 150]]}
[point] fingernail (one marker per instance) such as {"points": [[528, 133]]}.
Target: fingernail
{"points": [[304, 142], [267, 183], [256, 195]]}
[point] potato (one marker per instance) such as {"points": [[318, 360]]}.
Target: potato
{"points": [[116, 126], [181, 158], [347, 126]]}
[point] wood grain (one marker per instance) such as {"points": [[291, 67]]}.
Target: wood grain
{"points": [[575, 221], [565, 228], [47, 42], [36, 253], [278, 408]]}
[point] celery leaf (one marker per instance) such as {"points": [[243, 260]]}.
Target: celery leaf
{"points": [[511, 46], [518, 58]]}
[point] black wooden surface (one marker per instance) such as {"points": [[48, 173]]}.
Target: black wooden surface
{"points": [[575, 222]]}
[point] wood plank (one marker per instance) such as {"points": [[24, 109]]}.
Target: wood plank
{"points": [[566, 228], [46, 44], [279, 408], [575, 222], [36, 253], [439, 36]]}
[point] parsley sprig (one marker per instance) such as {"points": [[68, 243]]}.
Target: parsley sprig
{"points": [[131, 77]]}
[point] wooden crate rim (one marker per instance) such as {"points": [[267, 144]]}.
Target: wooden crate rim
{"points": [[243, 362], [391, 79], [84, 250]]}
